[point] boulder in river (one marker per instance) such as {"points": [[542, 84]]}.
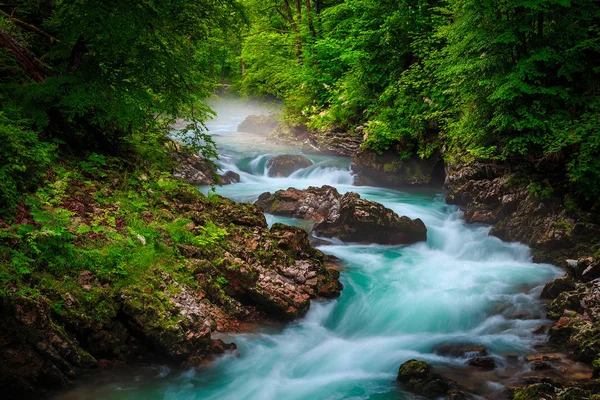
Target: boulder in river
{"points": [[461, 350], [391, 170], [346, 217], [418, 377], [313, 204], [197, 171], [482, 362], [286, 164], [259, 124]]}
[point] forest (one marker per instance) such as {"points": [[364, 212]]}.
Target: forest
{"points": [[90, 91]]}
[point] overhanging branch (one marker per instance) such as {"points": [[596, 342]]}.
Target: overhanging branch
{"points": [[31, 65]]}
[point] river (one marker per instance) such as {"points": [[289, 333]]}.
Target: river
{"points": [[399, 302]]}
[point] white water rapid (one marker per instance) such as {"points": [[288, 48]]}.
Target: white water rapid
{"points": [[398, 302]]}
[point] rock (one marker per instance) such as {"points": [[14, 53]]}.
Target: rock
{"points": [[286, 164], [229, 177], [418, 377], [540, 365], [554, 288], [389, 169], [175, 325], [482, 362], [364, 221], [588, 269], [577, 313], [283, 282], [258, 124], [197, 171], [314, 204], [326, 142], [346, 217], [536, 391], [540, 330], [36, 354], [501, 194], [461, 350]]}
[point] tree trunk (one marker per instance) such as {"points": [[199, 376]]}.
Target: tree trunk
{"points": [[295, 28], [31, 65], [318, 6], [311, 24]]}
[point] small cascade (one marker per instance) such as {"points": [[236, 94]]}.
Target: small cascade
{"points": [[461, 287]]}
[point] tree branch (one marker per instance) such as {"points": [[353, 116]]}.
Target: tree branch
{"points": [[31, 27], [265, 30], [28, 61]]}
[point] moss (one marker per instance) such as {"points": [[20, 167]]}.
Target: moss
{"points": [[413, 368], [573, 393], [535, 392], [564, 226]]}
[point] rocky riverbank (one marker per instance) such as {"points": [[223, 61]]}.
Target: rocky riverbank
{"points": [[156, 268], [525, 203]]}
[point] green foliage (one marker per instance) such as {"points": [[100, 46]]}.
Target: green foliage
{"points": [[495, 80], [523, 75], [24, 160], [541, 190], [103, 79]]}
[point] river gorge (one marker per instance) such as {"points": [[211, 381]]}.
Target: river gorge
{"points": [[462, 288]]}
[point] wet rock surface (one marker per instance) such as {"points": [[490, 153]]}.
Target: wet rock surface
{"points": [[503, 195], [389, 169], [486, 363], [525, 203], [253, 273], [197, 171], [577, 314], [326, 142], [418, 377], [286, 164], [258, 124], [347, 217]]}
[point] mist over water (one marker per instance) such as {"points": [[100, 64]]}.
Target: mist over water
{"points": [[398, 303]]}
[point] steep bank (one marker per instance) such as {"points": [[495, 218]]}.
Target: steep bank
{"points": [[133, 264], [525, 203]]}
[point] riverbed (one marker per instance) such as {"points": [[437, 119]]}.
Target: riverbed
{"points": [[461, 287]]}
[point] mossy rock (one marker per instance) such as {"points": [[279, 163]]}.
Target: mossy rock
{"points": [[418, 377]]}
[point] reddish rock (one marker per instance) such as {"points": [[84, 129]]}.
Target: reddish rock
{"points": [[346, 217], [197, 171]]}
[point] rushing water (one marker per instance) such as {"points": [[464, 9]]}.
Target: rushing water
{"points": [[398, 303]]}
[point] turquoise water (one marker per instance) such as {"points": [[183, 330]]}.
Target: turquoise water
{"points": [[399, 302]]}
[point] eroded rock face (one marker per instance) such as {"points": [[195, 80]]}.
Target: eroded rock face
{"points": [[34, 351], [313, 204], [364, 221], [389, 169], [176, 324], [197, 171], [577, 315], [500, 194], [286, 164], [329, 142], [258, 124], [251, 273], [418, 377], [346, 217]]}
